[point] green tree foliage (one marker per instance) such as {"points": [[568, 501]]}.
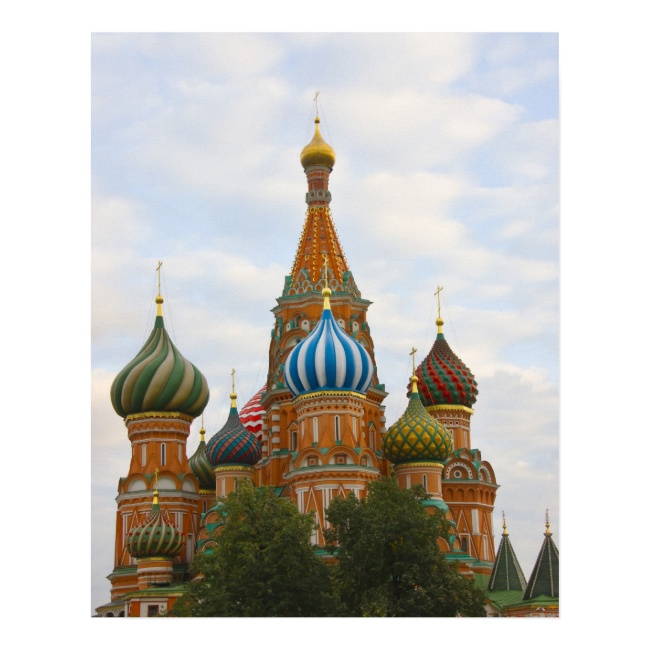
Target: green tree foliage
{"points": [[262, 565], [389, 561]]}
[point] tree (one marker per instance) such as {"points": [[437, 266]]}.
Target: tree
{"points": [[389, 562], [263, 563]]}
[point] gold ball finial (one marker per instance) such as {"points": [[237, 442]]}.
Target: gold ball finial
{"points": [[317, 120]]}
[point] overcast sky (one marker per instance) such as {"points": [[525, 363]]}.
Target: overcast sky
{"points": [[446, 174]]}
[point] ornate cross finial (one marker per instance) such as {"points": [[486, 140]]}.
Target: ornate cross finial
{"points": [[158, 269], [548, 526], [437, 293], [156, 479], [316, 100], [504, 522], [233, 380], [412, 353], [325, 265]]}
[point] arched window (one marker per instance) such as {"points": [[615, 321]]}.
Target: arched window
{"points": [[223, 487], [372, 439], [463, 544], [288, 327], [315, 426], [163, 454], [354, 429], [341, 323], [337, 428], [408, 482], [180, 452], [144, 455], [294, 440], [236, 483], [305, 325], [355, 326], [424, 482]]}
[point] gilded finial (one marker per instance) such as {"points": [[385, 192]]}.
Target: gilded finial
{"points": [[505, 532], [548, 526], [233, 395], [414, 379], [155, 488], [202, 430], [439, 321], [159, 298], [327, 292]]}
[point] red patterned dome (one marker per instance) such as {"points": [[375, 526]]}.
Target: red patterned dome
{"points": [[251, 414], [444, 378]]}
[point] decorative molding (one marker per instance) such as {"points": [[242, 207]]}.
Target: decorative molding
{"points": [[166, 415], [328, 393], [449, 407], [431, 464]]}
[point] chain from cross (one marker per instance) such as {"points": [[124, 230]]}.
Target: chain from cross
{"points": [[412, 353], [437, 293], [158, 269]]}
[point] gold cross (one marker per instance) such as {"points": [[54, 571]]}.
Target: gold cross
{"points": [[156, 478], [547, 524], [233, 380], [158, 269], [412, 353], [437, 293]]}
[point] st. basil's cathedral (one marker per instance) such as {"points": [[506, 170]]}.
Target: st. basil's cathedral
{"points": [[315, 431]]}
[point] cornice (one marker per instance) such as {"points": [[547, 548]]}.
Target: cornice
{"points": [[332, 470], [159, 415], [449, 407], [328, 393]]}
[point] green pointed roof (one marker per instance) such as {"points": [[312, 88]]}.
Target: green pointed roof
{"points": [[506, 573], [545, 578], [201, 467]]}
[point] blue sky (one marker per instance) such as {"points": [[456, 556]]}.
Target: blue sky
{"points": [[446, 174]]}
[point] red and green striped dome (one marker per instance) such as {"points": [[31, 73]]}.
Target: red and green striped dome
{"points": [[234, 443], [155, 536], [160, 378], [444, 378]]}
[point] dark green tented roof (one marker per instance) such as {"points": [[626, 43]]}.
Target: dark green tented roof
{"points": [[506, 573], [545, 578]]}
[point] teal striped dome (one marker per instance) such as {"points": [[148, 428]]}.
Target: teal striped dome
{"points": [[160, 378], [201, 467]]}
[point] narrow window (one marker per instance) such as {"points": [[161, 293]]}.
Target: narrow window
{"points": [[236, 483], [424, 482], [144, 455], [354, 429], [315, 423], [190, 548], [463, 544], [163, 453], [337, 428], [223, 487], [372, 440], [180, 453], [294, 440], [408, 482]]}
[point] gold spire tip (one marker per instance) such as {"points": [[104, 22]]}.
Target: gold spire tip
{"points": [[548, 526], [439, 321], [233, 395], [159, 298], [327, 292], [505, 532]]}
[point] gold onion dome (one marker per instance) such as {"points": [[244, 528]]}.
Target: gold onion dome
{"points": [[417, 436], [317, 152], [159, 378]]}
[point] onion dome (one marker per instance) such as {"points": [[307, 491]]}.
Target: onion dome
{"points": [[328, 359], [234, 443], [444, 378], [160, 378], [200, 465], [251, 414], [317, 152], [417, 436], [155, 536]]}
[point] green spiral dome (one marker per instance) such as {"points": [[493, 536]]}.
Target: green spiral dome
{"points": [[417, 436], [160, 378], [155, 536], [201, 467]]}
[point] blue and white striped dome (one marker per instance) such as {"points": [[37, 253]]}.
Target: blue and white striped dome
{"points": [[328, 359]]}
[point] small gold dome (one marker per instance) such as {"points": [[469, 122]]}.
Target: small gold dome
{"points": [[317, 152]]}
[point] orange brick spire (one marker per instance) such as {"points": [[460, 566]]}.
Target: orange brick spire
{"points": [[319, 237]]}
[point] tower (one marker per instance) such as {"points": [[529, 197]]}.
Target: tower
{"points": [[158, 393], [469, 485], [319, 261]]}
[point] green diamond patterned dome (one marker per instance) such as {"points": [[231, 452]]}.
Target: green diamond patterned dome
{"points": [[417, 436], [160, 378]]}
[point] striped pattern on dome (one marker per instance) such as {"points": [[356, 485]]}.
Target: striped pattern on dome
{"points": [[251, 414], [444, 378], [234, 443], [328, 359], [417, 436], [201, 468], [156, 535], [160, 378]]}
